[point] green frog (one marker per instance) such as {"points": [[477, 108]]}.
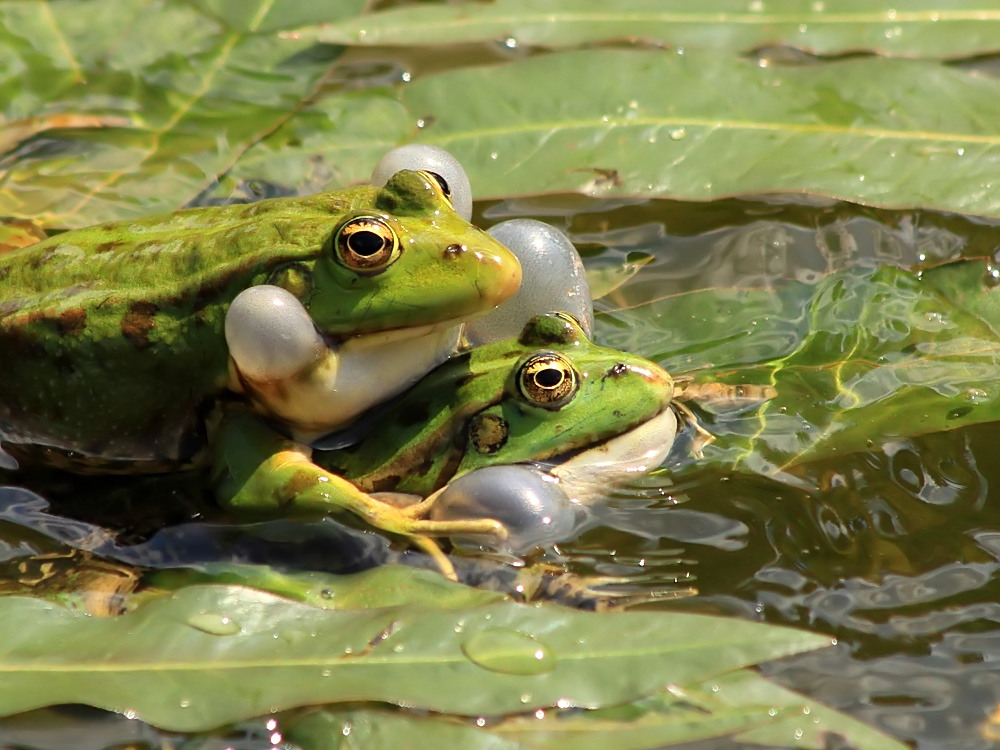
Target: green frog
{"points": [[549, 396], [113, 338]]}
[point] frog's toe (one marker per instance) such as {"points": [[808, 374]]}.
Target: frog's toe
{"points": [[270, 334], [528, 503], [421, 157]]}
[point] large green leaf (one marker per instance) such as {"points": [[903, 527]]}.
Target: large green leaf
{"points": [[653, 123], [915, 28], [142, 104], [864, 355], [106, 127], [207, 655], [741, 705]]}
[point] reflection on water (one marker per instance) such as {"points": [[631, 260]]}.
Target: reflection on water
{"points": [[895, 551]]}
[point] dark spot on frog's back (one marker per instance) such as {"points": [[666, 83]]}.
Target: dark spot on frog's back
{"points": [[72, 322], [138, 322], [413, 414], [107, 247], [40, 260]]}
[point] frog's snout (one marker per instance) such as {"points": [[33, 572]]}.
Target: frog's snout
{"points": [[499, 274], [649, 371], [658, 378]]}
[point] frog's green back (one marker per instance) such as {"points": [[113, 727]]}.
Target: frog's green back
{"points": [[111, 337], [112, 334]]}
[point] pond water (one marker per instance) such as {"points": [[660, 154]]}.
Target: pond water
{"points": [[893, 550]]}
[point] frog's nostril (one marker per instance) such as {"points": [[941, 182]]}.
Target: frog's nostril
{"points": [[453, 252], [618, 370]]}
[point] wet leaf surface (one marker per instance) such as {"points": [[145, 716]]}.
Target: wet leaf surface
{"points": [[922, 136], [862, 355], [128, 107], [920, 29], [235, 653]]}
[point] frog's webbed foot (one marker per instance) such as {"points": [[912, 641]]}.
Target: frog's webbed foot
{"points": [[702, 437], [596, 592]]}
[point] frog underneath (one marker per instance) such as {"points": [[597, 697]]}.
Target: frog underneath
{"points": [[549, 393]]}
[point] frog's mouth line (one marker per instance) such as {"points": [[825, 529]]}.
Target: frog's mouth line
{"points": [[390, 335]]}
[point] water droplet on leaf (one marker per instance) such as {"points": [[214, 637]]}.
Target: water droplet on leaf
{"points": [[508, 652], [213, 623]]}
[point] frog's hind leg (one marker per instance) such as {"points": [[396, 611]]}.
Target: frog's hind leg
{"points": [[261, 472]]}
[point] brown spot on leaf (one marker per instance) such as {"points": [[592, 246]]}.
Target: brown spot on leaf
{"points": [[138, 322]]}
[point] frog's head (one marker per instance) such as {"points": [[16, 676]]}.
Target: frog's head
{"points": [[564, 396], [401, 257]]}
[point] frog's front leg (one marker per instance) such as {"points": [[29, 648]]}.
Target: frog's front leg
{"points": [[261, 472]]}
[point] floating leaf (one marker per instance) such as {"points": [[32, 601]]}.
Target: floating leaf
{"points": [[887, 132], [152, 102], [16, 233], [741, 705], [917, 28], [208, 655]]}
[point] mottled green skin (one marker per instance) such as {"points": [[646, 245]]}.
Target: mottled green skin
{"points": [[423, 441], [112, 340]]}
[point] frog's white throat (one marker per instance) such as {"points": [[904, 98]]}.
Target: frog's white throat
{"points": [[586, 475]]}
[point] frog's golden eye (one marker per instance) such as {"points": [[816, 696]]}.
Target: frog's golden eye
{"points": [[440, 183], [366, 244], [547, 380]]}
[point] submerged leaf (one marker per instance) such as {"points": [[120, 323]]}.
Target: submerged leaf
{"points": [[863, 356]]}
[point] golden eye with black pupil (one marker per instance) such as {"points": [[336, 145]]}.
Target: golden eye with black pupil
{"points": [[366, 243], [547, 380], [440, 183]]}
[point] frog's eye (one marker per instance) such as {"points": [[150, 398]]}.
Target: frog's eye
{"points": [[441, 184], [547, 380], [366, 244]]}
